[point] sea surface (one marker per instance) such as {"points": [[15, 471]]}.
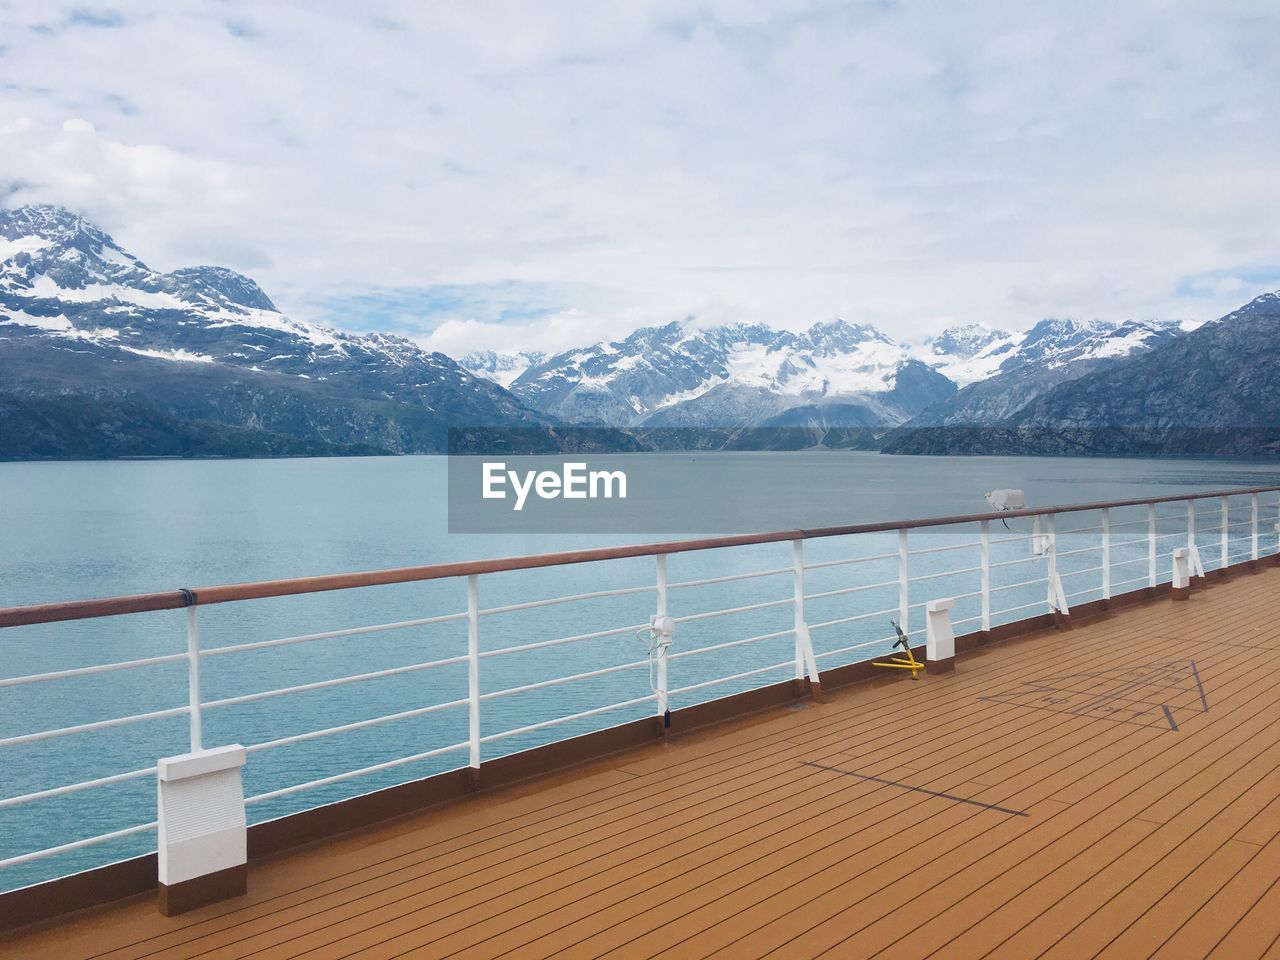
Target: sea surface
{"points": [[94, 529]]}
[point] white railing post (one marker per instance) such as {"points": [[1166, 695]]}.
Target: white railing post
{"points": [[1226, 532], [473, 669], [193, 679], [904, 605], [1253, 527], [1151, 544], [1106, 553], [985, 565], [806, 665], [661, 684]]}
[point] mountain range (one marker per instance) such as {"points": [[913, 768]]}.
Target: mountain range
{"points": [[836, 384], [101, 356]]}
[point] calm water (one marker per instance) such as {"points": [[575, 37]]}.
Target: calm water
{"points": [[74, 530]]}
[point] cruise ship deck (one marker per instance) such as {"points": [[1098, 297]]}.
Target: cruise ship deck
{"points": [[1109, 790]]}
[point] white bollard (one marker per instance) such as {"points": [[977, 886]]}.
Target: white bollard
{"points": [[940, 638], [1181, 573], [201, 828]]}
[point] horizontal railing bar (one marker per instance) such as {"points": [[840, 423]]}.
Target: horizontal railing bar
{"points": [[542, 684], [357, 725], [843, 590], [953, 546], [857, 646], [1024, 606], [76, 787], [1083, 570], [1083, 593], [1121, 563], [956, 623], [325, 684], [944, 573], [87, 671], [1128, 543], [1123, 583], [538, 645], [1024, 583], [1072, 553], [824, 564], [736, 676], [861, 616], [728, 579], [1075, 530], [593, 595], [77, 845], [1010, 563], [96, 725], [175, 599], [730, 643], [352, 774], [559, 720], [996, 541], [328, 635], [691, 617]]}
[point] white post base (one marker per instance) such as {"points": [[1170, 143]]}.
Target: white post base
{"points": [[202, 831], [1181, 573], [940, 637]]}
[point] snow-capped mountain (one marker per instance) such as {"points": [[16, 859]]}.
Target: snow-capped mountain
{"points": [[80, 316], [734, 375], [1012, 369], [969, 352], [973, 352], [501, 367]]}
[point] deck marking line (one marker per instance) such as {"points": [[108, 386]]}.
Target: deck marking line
{"points": [[907, 786], [1153, 673], [1168, 715], [1200, 686]]}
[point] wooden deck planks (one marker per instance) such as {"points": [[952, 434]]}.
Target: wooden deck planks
{"points": [[1140, 840]]}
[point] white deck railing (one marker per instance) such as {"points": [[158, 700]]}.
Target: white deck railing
{"points": [[909, 575]]}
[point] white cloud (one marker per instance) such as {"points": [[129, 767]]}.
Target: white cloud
{"points": [[895, 163]]}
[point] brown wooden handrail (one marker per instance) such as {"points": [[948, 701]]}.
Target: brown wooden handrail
{"points": [[262, 589]]}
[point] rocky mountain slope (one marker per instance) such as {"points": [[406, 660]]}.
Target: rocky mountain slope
{"points": [[1212, 392], [89, 335]]}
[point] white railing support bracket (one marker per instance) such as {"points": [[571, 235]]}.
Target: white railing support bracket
{"points": [[806, 663], [201, 830], [940, 638]]}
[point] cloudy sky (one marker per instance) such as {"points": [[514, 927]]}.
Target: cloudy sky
{"points": [[537, 174]]}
